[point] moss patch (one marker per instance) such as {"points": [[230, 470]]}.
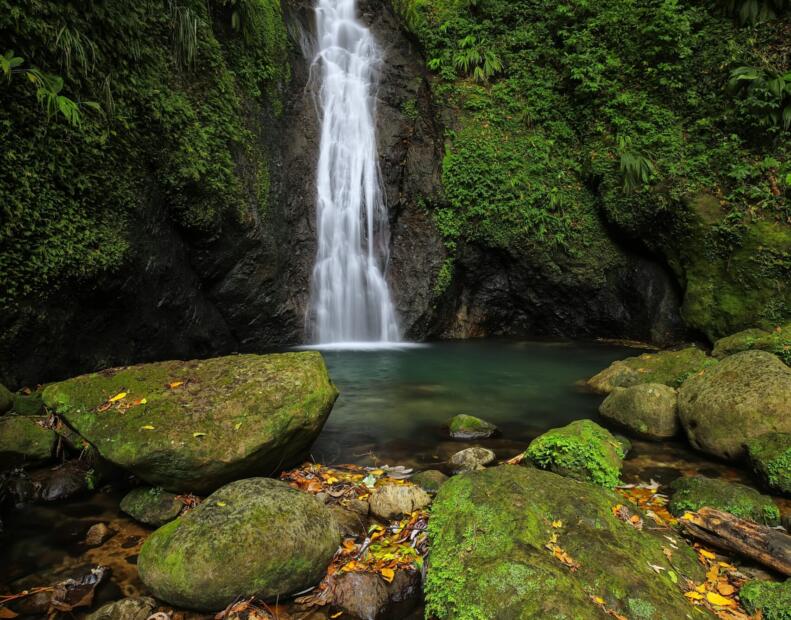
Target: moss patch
{"points": [[24, 441], [695, 492], [773, 600], [770, 456]]}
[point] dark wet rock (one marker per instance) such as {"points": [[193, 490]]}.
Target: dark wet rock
{"points": [[138, 608], [6, 399], [352, 524], [582, 450], [769, 599], [52, 484], [770, 455], [369, 597], [97, 534], [222, 419], [694, 492], [471, 459], [151, 505], [24, 441], [488, 534], [744, 396], [430, 480], [670, 368], [390, 501], [468, 427], [648, 410], [255, 537]]}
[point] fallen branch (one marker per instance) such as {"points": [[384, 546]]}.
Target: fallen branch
{"points": [[763, 544]]}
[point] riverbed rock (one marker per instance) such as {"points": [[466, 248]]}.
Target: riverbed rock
{"points": [[777, 341], [488, 534], [152, 506], [367, 596], [393, 500], [6, 399], [430, 480], [468, 427], [471, 459], [31, 404], [694, 492], [666, 367], [193, 426], [136, 608], [771, 599], [582, 450], [352, 524], [97, 534], [649, 410], [24, 441], [255, 537], [744, 396], [770, 455]]}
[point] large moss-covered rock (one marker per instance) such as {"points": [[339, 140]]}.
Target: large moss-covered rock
{"points": [[583, 450], [489, 532], [193, 426], [694, 492], [6, 399], [29, 404], [777, 341], [772, 600], [667, 367], [255, 537], [648, 409], [770, 455], [23, 440], [744, 396], [152, 506]]}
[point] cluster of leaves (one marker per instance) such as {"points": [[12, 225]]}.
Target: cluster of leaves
{"points": [[171, 77]]}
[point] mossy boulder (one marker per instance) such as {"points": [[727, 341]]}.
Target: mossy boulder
{"points": [[193, 426], [255, 537], [746, 395], [777, 341], [152, 506], [648, 410], [465, 426], [24, 441], [694, 492], [771, 599], [29, 404], [6, 399], [667, 367], [770, 455], [489, 532], [430, 480], [583, 450]]}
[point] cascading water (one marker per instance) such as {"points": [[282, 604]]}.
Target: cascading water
{"points": [[350, 299]]}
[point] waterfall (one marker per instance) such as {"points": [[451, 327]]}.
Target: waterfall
{"points": [[350, 301]]}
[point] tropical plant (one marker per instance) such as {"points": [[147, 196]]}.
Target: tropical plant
{"points": [[635, 167], [474, 58], [76, 50], [765, 94]]}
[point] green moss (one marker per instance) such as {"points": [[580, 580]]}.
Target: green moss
{"points": [[773, 600], [582, 450], [693, 493], [24, 441], [770, 455]]}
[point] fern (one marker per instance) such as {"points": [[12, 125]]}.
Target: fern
{"points": [[475, 60], [636, 167]]}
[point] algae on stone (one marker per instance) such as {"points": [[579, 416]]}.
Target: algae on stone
{"points": [[488, 534], [770, 455], [694, 492], [583, 450]]}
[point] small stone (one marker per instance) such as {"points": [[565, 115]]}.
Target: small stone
{"points": [[393, 500], [368, 596], [152, 506], [430, 480], [97, 534], [467, 427], [471, 459], [139, 608]]}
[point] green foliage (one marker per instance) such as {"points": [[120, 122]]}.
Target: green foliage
{"points": [[772, 600], [754, 11], [765, 95]]}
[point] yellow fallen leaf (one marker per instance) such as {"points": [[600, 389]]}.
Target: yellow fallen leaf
{"points": [[716, 599], [196, 435], [599, 600], [147, 427], [695, 596], [388, 574], [175, 384], [221, 504], [725, 588], [557, 523], [336, 615], [118, 397], [377, 472], [701, 588], [707, 554]]}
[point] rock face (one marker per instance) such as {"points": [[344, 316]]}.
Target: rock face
{"points": [[152, 506], [583, 450], [770, 456], [471, 459], [488, 533], [203, 423], [695, 492], [24, 441], [649, 410], [744, 396], [393, 500], [469, 427], [668, 367], [255, 537]]}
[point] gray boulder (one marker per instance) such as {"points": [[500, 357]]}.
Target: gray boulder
{"points": [[393, 500], [648, 410]]}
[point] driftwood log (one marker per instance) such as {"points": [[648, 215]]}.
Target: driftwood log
{"points": [[763, 544]]}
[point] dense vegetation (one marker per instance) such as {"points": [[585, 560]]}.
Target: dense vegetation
{"points": [[139, 103], [668, 120]]}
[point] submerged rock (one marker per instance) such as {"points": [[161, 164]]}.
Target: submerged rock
{"points": [[471, 459], [694, 492], [770, 455], [393, 500], [256, 537], [367, 596], [469, 427], [670, 368], [24, 441], [152, 506], [772, 600], [489, 533], [430, 480], [6, 399], [97, 534], [583, 450], [648, 410], [193, 426], [138, 608], [742, 397]]}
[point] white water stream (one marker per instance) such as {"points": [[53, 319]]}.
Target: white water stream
{"points": [[350, 302]]}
